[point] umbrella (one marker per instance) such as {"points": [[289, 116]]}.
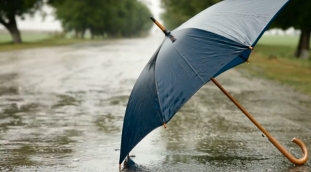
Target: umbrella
{"points": [[215, 40]]}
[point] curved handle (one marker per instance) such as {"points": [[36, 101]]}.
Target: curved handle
{"points": [[288, 155]]}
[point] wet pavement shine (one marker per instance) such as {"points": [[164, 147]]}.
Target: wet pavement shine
{"points": [[61, 109]]}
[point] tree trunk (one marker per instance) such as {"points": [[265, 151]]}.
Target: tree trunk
{"points": [[298, 49], [303, 49], [76, 34], [92, 34], [11, 26], [16, 36], [82, 33]]}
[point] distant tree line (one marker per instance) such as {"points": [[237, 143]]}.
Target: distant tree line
{"points": [[179, 11], [297, 14], [111, 18]]}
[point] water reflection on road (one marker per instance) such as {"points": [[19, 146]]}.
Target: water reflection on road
{"points": [[62, 109]]}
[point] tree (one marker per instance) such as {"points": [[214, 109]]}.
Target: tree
{"points": [[179, 11], [297, 14], [73, 14], [9, 9], [103, 17], [130, 18]]}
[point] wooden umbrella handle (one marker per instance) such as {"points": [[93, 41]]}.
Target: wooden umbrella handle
{"points": [[288, 155], [167, 33]]}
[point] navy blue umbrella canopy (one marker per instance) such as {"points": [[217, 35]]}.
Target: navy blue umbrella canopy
{"points": [[215, 40]]}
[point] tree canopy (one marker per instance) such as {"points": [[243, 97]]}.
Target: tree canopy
{"points": [[103, 17], [9, 9], [179, 11]]}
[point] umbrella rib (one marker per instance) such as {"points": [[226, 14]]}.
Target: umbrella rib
{"points": [[189, 65], [236, 40], [156, 85]]}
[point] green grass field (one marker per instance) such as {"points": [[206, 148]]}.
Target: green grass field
{"points": [[27, 37], [36, 40], [279, 40], [273, 58]]}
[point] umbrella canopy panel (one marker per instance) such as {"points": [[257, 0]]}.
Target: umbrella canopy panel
{"points": [[143, 112], [243, 21], [186, 65]]}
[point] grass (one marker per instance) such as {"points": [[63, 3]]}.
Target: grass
{"points": [[50, 42], [273, 59], [27, 37], [36, 40], [279, 40]]}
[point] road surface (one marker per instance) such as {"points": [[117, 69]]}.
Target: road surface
{"points": [[61, 109]]}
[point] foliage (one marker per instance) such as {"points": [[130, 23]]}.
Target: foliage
{"points": [[18, 7], [103, 17], [297, 14], [31, 42], [9, 9], [179, 11]]}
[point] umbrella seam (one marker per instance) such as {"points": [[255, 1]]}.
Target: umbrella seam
{"points": [[156, 84], [235, 41], [189, 64]]}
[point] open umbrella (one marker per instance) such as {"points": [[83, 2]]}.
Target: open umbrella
{"points": [[215, 40]]}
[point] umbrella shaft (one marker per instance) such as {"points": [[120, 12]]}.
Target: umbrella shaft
{"points": [[159, 25], [241, 108]]}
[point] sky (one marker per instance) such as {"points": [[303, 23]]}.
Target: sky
{"points": [[52, 24]]}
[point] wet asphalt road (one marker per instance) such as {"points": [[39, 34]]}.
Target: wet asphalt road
{"points": [[61, 109]]}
